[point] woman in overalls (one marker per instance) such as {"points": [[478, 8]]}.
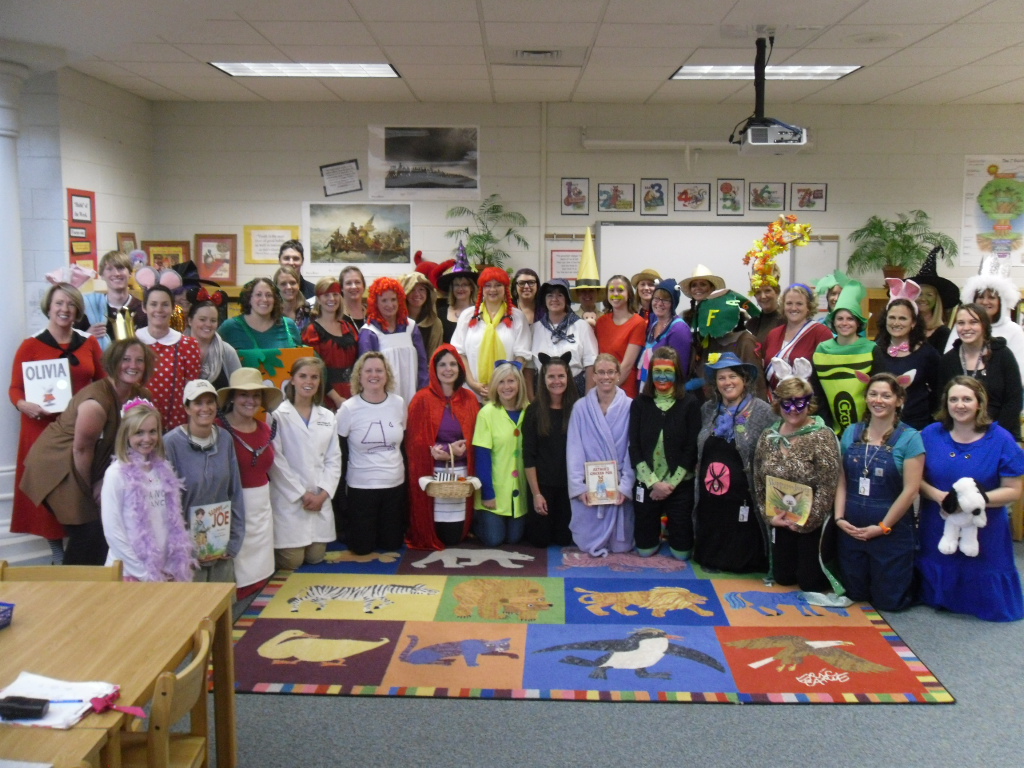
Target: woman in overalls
{"points": [[883, 461]]}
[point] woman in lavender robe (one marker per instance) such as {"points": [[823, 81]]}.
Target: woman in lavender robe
{"points": [[599, 431]]}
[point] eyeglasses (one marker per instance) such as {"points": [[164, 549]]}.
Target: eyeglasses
{"points": [[657, 300], [795, 404], [525, 283]]}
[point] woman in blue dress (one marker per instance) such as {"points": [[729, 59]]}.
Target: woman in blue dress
{"points": [[965, 443]]}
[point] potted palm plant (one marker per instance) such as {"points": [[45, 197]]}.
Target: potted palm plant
{"points": [[897, 246], [492, 225]]}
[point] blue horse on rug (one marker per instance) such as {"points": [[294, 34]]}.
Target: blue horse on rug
{"points": [[772, 603]]}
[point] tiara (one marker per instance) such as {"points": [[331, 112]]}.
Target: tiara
{"points": [[135, 401]]}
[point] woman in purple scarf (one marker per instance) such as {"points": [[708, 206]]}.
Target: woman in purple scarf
{"points": [[599, 431]]}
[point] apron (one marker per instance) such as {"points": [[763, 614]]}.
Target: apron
{"points": [[893, 555], [400, 352], [724, 541], [255, 559]]}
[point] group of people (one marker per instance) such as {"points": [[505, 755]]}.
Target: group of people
{"points": [[766, 438]]}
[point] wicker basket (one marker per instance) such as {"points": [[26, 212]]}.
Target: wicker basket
{"points": [[450, 489]]}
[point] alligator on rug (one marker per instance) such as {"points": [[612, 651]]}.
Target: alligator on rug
{"points": [[523, 623]]}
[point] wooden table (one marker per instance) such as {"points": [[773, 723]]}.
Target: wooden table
{"points": [[122, 633], [65, 749]]}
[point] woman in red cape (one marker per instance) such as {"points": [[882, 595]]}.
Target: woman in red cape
{"points": [[441, 418]]}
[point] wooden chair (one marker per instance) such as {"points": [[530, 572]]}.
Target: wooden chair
{"points": [[61, 572], [175, 695]]}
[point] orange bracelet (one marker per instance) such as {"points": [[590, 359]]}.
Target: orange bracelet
{"points": [[885, 529]]}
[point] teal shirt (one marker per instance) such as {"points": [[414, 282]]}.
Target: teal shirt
{"points": [[284, 334]]}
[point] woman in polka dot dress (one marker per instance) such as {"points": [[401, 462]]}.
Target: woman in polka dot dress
{"points": [[179, 358]]}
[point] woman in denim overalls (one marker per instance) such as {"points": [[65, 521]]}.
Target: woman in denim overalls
{"points": [[883, 460]]}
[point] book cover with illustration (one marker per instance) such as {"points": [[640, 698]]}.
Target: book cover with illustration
{"points": [[789, 499], [210, 525]]}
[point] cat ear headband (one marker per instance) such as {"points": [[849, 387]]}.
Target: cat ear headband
{"points": [[904, 380], [903, 289], [800, 369], [565, 357]]}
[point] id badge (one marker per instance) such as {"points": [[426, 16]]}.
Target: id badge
{"points": [[864, 486], [744, 513], [640, 494]]}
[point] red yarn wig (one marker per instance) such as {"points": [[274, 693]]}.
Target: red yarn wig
{"points": [[499, 274], [379, 286]]}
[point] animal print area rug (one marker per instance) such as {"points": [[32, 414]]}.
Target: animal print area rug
{"points": [[523, 623]]}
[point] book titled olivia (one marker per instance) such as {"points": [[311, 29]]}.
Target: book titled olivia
{"points": [[602, 482], [48, 383]]}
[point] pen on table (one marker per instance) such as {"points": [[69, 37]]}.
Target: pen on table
{"points": [[68, 701]]}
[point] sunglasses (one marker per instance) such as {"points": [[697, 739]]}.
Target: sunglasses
{"points": [[795, 404]]}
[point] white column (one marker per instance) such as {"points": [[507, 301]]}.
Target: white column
{"points": [[12, 288]]}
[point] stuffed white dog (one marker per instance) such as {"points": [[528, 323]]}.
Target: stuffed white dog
{"points": [[963, 509]]}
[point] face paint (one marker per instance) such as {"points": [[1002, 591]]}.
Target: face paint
{"points": [[664, 377]]}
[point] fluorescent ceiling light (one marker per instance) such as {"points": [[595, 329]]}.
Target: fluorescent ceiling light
{"points": [[746, 72], [293, 69]]}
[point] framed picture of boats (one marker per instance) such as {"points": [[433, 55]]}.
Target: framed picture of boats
{"points": [[373, 235], [575, 194], [423, 163]]}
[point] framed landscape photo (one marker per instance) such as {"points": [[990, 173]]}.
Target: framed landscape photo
{"points": [[729, 197], [575, 194], [766, 196], [164, 254], [215, 257], [654, 197], [691, 198], [615, 198], [808, 197], [126, 242]]}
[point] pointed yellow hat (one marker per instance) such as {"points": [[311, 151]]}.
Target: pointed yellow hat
{"points": [[588, 277]]}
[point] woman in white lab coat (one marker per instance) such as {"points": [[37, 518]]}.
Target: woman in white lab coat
{"points": [[308, 460]]}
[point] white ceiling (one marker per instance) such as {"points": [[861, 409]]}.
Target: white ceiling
{"points": [[912, 51]]}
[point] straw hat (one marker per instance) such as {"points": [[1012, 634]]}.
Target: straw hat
{"points": [[700, 272], [645, 274], [250, 380]]}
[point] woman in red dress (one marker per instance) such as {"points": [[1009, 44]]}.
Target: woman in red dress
{"points": [[179, 358], [64, 306], [334, 339]]}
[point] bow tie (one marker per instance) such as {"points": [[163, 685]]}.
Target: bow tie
{"points": [[895, 349]]}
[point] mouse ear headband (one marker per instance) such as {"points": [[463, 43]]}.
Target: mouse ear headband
{"points": [[903, 289]]}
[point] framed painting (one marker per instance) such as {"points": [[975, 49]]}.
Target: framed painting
{"points": [[575, 195], [654, 197], [766, 196], [691, 198], [729, 197], [615, 198], [376, 236], [424, 162], [808, 197], [126, 242], [164, 254], [215, 257]]}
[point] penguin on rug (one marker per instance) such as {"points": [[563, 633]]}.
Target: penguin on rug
{"points": [[642, 649]]}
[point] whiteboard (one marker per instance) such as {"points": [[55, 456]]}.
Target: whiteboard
{"points": [[675, 249]]}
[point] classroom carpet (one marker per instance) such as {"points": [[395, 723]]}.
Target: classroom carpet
{"points": [[517, 622]]}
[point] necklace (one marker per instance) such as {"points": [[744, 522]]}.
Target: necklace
{"points": [[979, 366]]}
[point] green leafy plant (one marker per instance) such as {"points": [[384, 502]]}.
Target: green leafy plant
{"points": [[492, 225], [900, 243]]}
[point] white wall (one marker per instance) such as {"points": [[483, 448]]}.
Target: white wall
{"points": [[220, 166]]}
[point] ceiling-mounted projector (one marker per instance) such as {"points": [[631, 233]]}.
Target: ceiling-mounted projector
{"points": [[775, 139]]}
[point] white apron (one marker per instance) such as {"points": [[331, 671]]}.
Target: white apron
{"points": [[400, 352], [255, 559]]}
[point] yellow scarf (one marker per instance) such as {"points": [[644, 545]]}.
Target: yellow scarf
{"points": [[491, 348]]}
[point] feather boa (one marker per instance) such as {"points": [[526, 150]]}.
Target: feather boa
{"points": [[178, 563]]}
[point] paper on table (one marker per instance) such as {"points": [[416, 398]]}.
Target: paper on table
{"points": [[61, 716]]}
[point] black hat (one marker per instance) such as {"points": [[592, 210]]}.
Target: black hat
{"points": [[949, 294]]}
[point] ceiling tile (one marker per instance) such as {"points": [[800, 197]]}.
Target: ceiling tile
{"points": [[663, 57], [415, 10], [435, 54], [350, 89], [538, 35], [619, 92], [146, 52], [289, 89], [239, 53], [791, 13], [313, 32], [1008, 56], [919, 56], [864, 57], [777, 92], [426, 33], [937, 91], [549, 12], [996, 12], [1008, 93], [706, 56], [665, 11], [529, 91], [873, 35], [629, 74], [656, 35], [534, 73], [983, 37], [216, 90], [307, 10], [213, 32], [171, 74], [346, 54], [920, 11], [694, 92], [444, 72]]}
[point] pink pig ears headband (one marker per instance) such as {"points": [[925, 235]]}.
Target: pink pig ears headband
{"points": [[903, 289], [75, 275], [905, 379]]}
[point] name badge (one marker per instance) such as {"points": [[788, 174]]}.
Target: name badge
{"points": [[864, 486], [744, 513], [640, 494]]}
